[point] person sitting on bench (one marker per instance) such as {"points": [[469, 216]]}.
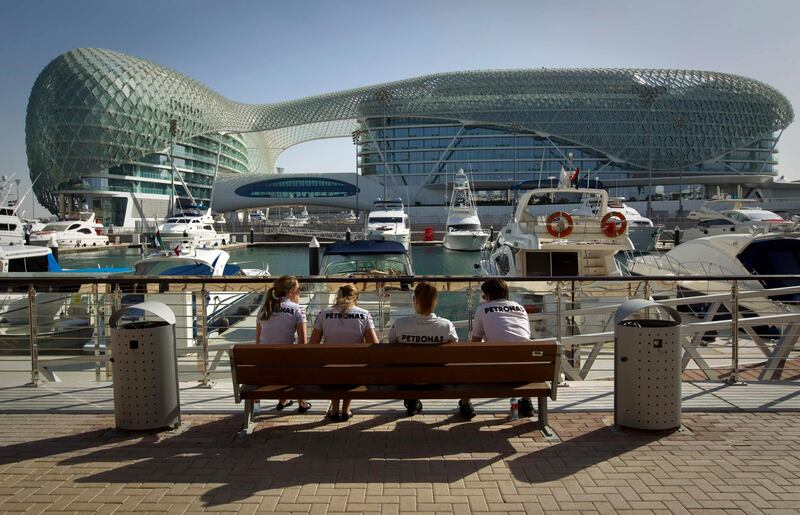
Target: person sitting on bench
{"points": [[499, 320], [344, 322], [422, 328]]}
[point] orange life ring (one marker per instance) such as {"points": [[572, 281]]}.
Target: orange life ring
{"points": [[612, 229], [559, 229]]}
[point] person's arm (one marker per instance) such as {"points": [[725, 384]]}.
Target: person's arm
{"points": [[477, 327], [370, 336], [301, 333], [316, 337], [453, 336]]}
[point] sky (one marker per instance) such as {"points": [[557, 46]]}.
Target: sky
{"points": [[269, 51]]}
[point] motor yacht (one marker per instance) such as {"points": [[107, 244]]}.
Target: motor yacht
{"points": [[303, 218], [11, 227], [78, 230], [193, 227], [463, 229], [388, 221], [578, 237], [643, 233], [724, 216]]}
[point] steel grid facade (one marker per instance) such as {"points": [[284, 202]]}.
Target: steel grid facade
{"points": [[94, 108]]}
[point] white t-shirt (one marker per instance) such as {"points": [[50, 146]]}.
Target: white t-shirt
{"points": [[422, 329], [501, 320], [348, 327], [282, 325]]}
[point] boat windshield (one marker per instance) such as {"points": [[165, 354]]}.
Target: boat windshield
{"points": [[464, 227], [780, 256], [358, 264], [171, 267], [385, 219], [575, 202], [54, 227]]}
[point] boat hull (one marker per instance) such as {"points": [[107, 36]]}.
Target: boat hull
{"points": [[465, 241]]}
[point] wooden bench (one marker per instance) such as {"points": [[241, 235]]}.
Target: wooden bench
{"points": [[382, 371]]}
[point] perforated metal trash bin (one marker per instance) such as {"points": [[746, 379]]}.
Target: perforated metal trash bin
{"points": [[145, 368], [647, 367]]}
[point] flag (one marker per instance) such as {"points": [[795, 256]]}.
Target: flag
{"points": [[157, 239], [574, 179]]}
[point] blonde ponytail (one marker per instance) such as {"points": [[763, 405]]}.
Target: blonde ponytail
{"points": [[346, 297]]}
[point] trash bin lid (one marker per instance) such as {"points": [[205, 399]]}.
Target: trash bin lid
{"points": [[635, 305], [159, 309]]}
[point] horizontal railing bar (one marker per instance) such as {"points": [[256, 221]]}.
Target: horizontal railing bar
{"points": [[58, 279]]}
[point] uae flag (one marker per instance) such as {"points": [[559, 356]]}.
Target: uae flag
{"points": [[157, 239], [574, 179]]}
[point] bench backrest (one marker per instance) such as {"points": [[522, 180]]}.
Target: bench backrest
{"points": [[379, 364]]}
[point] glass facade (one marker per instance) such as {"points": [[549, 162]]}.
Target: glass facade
{"points": [[288, 188], [418, 152]]}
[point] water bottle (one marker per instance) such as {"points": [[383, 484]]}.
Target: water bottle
{"points": [[514, 415]]}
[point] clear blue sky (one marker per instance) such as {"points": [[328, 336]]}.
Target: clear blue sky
{"points": [[259, 51]]}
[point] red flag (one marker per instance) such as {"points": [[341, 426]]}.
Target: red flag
{"points": [[574, 179]]}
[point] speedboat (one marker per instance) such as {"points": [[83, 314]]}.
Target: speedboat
{"points": [[388, 221], [643, 234], [193, 227], [79, 230], [366, 258], [725, 216], [11, 227], [578, 237], [223, 308], [463, 230]]}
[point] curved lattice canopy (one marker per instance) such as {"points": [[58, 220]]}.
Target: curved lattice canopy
{"points": [[93, 108]]}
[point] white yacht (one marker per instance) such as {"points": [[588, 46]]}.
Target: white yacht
{"points": [[463, 229], [725, 216], [388, 221], [192, 228], [11, 227], [303, 218], [80, 230], [643, 234], [579, 236]]}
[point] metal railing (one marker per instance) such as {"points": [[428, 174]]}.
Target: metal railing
{"points": [[731, 330]]}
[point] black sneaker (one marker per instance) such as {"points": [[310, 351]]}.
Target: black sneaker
{"points": [[413, 406], [466, 410], [525, 408]]}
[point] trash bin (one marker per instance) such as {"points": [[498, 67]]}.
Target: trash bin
{"points": [[145, 368], [647, 367]]}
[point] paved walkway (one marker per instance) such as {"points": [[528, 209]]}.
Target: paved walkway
{"points": [[384, 463]]}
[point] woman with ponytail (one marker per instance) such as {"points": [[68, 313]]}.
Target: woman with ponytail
{"points": [[282, 320], [344, 322]]}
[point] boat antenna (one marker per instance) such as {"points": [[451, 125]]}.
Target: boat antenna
{"points": [[22, 198], [173, 131]]}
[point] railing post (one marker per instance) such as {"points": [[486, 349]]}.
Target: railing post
{"points": [[733, 379], [469, 310], [203, 337], [34, 348], [116, 305], [558, 311], [380, 291], [97, 330]]}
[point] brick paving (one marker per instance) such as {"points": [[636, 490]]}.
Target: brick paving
{"points": [[738, 462]]}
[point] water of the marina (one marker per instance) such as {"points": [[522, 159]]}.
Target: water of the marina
{"points": [[427, 260]]}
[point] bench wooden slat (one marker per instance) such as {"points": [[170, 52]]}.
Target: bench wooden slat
{"points": [[380, 353], [398, 391], [376, 374]]}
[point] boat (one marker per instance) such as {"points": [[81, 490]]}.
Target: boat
{"points": [[463, 229], [12, 228], [78, 230], [223, 308], [579, 237], [303, 218], [388, 221], [63, 318], [193, 227], [734, 215], [643, 234]]}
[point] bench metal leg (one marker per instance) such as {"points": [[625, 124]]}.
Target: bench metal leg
{"points": [[249, 424], [543, 426]]}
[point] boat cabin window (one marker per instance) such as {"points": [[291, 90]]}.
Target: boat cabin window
{"points": [[385, 219], [85, 231], [53, 227], [73, 227], [353, 264], [29, 264], [464, 227], [8, 227], [208, 228], [568, 200], [172, 220], [6, 211], [543, 264], [704, 224]]}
